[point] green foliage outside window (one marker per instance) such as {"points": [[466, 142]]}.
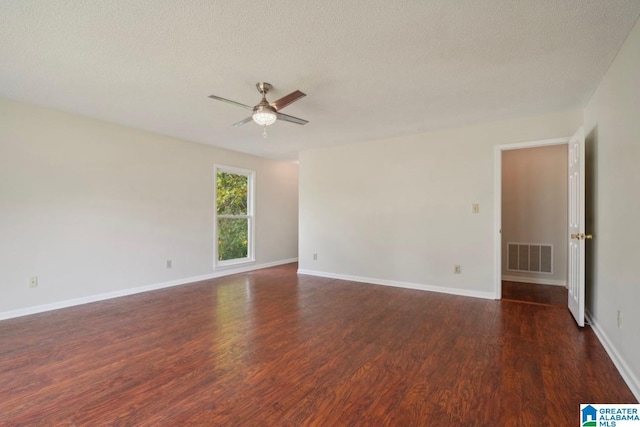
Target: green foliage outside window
{"points": [[231, 195], [232, 200], [233, 238]]}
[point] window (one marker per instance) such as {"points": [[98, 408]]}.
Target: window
{"points": [[233, 225]]}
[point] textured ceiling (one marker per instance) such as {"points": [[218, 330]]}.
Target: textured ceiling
{"points": [[371, 69]]}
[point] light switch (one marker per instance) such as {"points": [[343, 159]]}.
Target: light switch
{"points": [[475, 208]]}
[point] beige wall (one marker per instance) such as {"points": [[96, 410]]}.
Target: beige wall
{"points": [[398, 211], [612, 128], [93, 208], [534, 207]]}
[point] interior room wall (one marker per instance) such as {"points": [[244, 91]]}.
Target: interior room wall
{"points": [[93, 209], [399, 211], [534, 207], [612, 128]]}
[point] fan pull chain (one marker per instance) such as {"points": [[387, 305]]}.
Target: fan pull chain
{"points": [[264, 132]]}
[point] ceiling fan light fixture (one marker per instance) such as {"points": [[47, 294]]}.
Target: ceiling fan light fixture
{"points": [[264, 115]]}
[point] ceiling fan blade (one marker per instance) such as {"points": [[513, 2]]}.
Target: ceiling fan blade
{"points": [[287, 99], [230, 102], [291, 119], [243, 121]]}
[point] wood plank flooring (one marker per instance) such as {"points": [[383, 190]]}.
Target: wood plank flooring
{"points": [[270, 348], [536, 294]]}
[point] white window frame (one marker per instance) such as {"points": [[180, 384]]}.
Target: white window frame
{"points": [[250, 216]]}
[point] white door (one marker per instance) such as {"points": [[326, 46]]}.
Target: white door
{"points": [[577, 234]]}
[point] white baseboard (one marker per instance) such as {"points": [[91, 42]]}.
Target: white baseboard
{"points": [[124, 292], [535, 280], [408, 285], [625, 371]]}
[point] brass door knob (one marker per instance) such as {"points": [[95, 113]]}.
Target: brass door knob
{"points": [[582, 236]]}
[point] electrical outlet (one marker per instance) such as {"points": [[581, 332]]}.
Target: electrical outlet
{"points": [[169, 263], [457, 269], [33, 282], [315, 256], [619, 319]]}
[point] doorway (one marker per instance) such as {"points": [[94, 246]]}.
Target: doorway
{"points": [[531, 222], [534, 224]]}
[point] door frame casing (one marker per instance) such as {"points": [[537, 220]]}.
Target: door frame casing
{"points": [[497, 190]]}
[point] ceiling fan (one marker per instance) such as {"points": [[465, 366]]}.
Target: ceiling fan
{"points": [[266, 113]]}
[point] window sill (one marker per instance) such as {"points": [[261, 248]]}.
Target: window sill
{"points": [[220, 265]]}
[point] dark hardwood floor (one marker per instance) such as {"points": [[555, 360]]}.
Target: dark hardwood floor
{"points": [[270, 348], [536, 294]]}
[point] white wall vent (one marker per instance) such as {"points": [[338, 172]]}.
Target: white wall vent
{"points": [[530, 257]]}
